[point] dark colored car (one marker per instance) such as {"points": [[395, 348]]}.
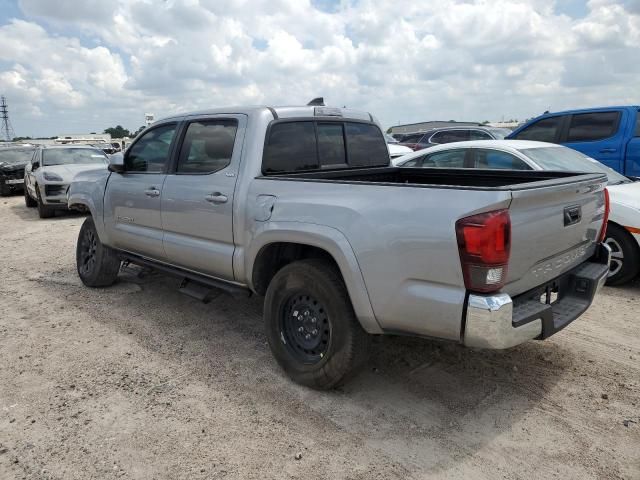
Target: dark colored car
{"points": [[12, 163], [438, 136]]}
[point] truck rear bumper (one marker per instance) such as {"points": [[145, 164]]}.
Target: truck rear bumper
{"points": [[499, 321]]}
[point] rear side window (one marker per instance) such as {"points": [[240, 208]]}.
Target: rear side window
{"points": [[586, 127], [307, 145], [450, 136], [291, 147], [207, 146], [637, 132], [446, 159], [366, 145], [544, 130], [479, 135], [495, 159]]}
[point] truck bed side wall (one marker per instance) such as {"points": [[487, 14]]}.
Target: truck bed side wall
{"points": [[403, 239]]}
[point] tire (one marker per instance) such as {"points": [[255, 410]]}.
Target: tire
{"points": [[305, 297], [28, 201], [97, 264], [43, 210], [625, 255]]}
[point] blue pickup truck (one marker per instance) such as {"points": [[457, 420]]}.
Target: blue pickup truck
{"points": [[611, 135]]}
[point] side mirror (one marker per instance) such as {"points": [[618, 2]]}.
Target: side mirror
{"points": [[116, 163], [35, 166]]}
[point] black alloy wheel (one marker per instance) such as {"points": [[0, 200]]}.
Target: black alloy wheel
{"points": [[87, 248]]}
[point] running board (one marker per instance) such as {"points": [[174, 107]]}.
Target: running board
{"points": [[193, 284], [199, 291]]}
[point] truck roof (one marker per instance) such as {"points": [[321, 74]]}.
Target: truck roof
{"points": [[282, 112]]}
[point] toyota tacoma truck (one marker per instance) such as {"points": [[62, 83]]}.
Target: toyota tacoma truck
{"points": [[300, 205]]}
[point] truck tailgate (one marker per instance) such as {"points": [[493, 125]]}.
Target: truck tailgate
{"points": [[554, 228]]}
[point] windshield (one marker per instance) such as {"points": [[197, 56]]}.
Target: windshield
{"points": [[566, 159], [73, 156], [390, 139], [22, 155]]}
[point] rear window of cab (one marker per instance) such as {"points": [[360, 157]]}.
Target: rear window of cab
{"points": [[294, 146]]}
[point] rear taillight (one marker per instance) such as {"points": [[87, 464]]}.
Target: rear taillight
{"points": [[484, 242], [605, 219]]}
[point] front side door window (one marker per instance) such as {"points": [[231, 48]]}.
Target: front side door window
{"points": [[545, 130], [151, 153]]}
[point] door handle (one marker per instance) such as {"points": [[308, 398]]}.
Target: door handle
{"points": [[152, 192], [216, 197], [608, 150]]}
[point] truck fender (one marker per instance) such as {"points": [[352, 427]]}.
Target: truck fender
{"points": [[82, 198], [328, 239]]}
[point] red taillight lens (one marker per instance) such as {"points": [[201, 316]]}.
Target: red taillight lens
{"points": [[605, 219], [484, 243]]}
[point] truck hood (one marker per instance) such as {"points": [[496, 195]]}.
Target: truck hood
{"points": [[626, 194], [68, 172]]}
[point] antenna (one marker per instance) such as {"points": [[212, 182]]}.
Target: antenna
{"points": [[6, 130]]}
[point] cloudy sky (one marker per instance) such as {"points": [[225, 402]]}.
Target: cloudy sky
{"points": [[73, 66]]}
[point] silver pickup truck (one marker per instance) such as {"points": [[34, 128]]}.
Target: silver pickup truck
{"points": [[300, 205]]}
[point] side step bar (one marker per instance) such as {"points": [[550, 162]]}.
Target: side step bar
{"points": [[197, 286]]}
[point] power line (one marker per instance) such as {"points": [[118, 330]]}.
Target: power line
{"points": [[7, 130]]}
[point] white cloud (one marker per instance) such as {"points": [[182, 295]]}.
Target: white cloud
{"points": [[96, 63]]}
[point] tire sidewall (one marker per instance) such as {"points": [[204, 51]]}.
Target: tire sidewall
{"points": [[43, 210], [630, 255], [294, 279], [98, 276]]}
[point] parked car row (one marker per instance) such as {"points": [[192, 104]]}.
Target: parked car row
{"points": [[438, 136], [44, 173]]}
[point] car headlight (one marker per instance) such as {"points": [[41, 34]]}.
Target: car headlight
{"points": [[52, 177]]}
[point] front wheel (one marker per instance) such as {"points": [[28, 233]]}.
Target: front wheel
{"points": [[98, 265], [625, 255], [28, 201], [311, 327], [43, 210]]}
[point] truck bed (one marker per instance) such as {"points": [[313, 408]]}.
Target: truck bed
{"points": [[458, 178]]}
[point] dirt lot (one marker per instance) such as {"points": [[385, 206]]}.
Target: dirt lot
{"points": [[138, 381]]}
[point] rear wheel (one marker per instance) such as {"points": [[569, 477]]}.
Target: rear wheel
{"points": [[98, 265], [28, 201], [43, 210], [311, 327], [625, 255]]}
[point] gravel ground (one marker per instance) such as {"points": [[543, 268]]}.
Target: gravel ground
{"points": [[139, 381]]}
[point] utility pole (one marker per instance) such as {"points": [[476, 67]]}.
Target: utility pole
{"points": [[6, 130]]}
